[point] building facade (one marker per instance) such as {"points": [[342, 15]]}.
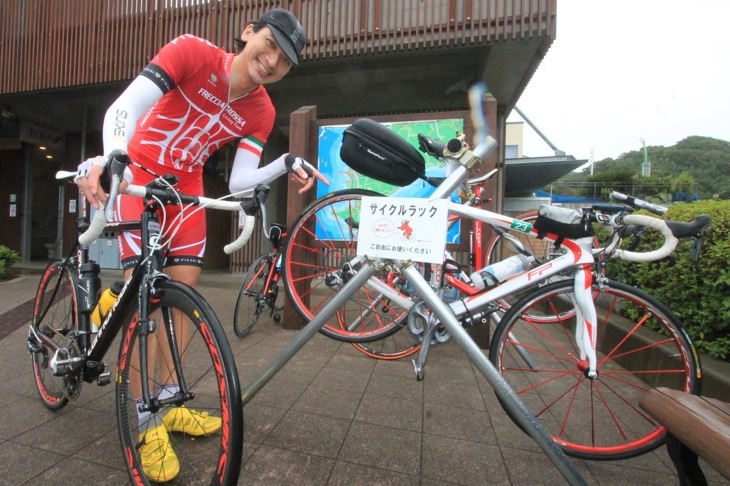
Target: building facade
{"points": [[65, 61]]}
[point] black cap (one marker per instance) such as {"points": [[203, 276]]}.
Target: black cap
{"points": [[287, 31]]}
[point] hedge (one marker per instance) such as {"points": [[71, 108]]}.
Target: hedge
{"points": [[700, 299], [7, 258]]}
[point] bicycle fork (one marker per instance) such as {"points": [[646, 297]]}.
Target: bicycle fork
{"points": [[147, 326], [586, 321]]}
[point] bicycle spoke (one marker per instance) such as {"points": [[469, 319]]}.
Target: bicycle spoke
{"points": [[595, 418]]}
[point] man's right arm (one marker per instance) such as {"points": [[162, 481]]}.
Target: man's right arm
{"points": [[121, 117], [119, 124]]}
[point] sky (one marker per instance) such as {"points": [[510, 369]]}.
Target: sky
{"points": [[624, 70]]}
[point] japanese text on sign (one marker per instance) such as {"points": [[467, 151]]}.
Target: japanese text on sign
{"points": [[403, 228]]}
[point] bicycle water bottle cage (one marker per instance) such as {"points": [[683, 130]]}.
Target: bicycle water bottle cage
{"points": [[379, 153], [452, 266]]}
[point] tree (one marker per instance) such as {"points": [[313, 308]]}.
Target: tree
{"points": [[704, 161]]}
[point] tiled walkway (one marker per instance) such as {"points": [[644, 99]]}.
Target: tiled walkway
{"points": [[332, 416]]}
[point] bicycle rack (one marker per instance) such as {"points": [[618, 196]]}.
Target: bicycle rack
{"points": [[526, 419]]}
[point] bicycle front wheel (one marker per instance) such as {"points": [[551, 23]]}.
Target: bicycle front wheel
{"points": [[640, 345], [251, 300], [55, 318], [320, 246], [208, 437]]}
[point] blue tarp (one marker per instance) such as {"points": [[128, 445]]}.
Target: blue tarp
{"points": [[557, 198]]}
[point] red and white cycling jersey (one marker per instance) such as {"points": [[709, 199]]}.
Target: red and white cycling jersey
{"points": [[191, 121], [194, 118]]}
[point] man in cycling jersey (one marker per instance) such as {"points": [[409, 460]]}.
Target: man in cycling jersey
{"points": [[190, 100]]}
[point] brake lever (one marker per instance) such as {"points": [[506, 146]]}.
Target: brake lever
{"points": [[694, 253]]}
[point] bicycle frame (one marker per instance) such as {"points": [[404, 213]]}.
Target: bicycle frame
{"points": [[272, 280], [578, 258], [133, 298]]}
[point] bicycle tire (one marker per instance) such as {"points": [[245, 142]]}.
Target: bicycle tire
{"points": [[55, 316], [499, 248], [597, 419], [251, 303], [210, 373], [319, 243], [398, 345]]}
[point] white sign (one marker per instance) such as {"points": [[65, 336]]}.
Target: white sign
{"points": [[403, 228]]}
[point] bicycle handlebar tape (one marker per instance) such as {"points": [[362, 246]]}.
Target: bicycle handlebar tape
{"points": [[249, 223], [670, 241], [96, 228]]}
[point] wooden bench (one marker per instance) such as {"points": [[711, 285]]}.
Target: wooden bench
{"points": [[696, 426]]}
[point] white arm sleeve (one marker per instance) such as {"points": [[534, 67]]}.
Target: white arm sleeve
{"points": [[121, 117], [246, 174]]}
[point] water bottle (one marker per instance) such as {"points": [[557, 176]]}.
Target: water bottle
{"points": [[106, 301], [501, 271]]}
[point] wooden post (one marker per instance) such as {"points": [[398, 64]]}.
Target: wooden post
{"points": [[303, 142]]}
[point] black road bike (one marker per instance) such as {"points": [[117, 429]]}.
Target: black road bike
{"points": [[65, 353]]}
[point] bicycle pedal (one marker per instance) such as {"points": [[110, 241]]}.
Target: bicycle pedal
{"points": [[105, 377]]}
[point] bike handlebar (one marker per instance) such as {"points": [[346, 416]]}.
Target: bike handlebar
{"points": [[670, 241], [169, 195], [639, 203], [672, 231]]}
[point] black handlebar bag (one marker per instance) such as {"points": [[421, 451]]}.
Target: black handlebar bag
{"points": [[564, 222], [379, 153]]}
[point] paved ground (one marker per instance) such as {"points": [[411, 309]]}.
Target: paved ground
{"points": [[331, 416]]}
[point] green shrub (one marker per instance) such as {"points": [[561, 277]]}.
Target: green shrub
{"points": [[7, 258], [700, 299]]}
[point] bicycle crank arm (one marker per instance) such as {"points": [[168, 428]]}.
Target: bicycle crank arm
{"points": [[63, 364]]}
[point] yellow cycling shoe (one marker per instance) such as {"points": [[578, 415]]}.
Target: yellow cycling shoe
{"points": [[182, 419], [159, 461]]}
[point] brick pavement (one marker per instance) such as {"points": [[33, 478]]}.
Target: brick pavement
{"points": [[331, 416]]}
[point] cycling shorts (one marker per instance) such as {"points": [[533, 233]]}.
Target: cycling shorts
{"points": [[182, 244]]}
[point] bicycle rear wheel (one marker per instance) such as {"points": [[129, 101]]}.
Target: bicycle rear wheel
{"points": [[55, 318], [641, 345], [396, 346], [499, 248], [208, 370], [320, 246], [251, 300]]}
